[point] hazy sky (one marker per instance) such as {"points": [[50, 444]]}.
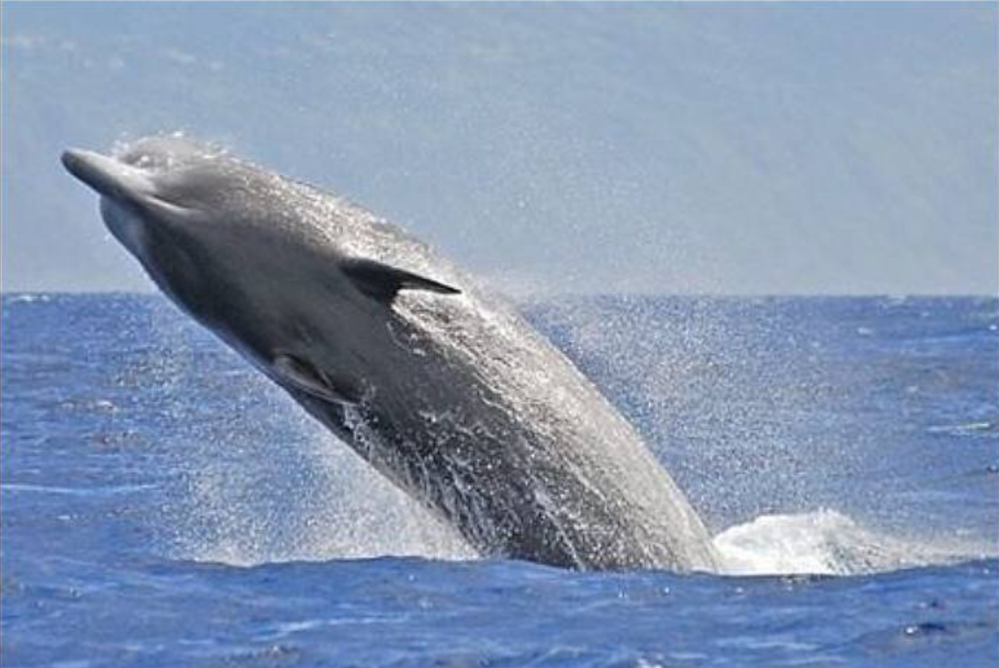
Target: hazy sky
{"points": [[750, 148]]}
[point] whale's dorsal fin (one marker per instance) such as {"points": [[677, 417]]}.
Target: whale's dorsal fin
{"points": [[303, 376], [383, 282]]}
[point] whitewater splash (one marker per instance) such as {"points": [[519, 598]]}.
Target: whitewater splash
{"points": [[315, 500], [345, 510], [824, 542], [312, 499]]}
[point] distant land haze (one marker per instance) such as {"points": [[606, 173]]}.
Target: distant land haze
{"points": [[752, 149]]}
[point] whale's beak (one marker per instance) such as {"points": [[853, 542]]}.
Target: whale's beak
{"points": [[109, 177]]}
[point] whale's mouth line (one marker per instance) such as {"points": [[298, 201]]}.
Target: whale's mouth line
{"points": [[106, 175]]}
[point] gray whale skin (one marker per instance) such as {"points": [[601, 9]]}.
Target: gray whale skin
{"points": [[442, 388]]}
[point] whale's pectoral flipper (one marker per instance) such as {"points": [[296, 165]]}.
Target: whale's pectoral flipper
{"points": [[303, 376], [383, 282]]}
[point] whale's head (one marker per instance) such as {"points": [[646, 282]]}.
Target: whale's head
{"points": [[248, 253], [150, 190], [180, 207]]}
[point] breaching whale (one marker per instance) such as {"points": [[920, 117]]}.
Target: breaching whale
{"points": [[436, 383]]}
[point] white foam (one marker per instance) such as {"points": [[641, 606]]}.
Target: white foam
{"points": [[822, 542]]}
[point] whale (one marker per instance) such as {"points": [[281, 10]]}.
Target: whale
{"points": [[433, 379]]}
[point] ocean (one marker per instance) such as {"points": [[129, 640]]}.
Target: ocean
{"points": [[164, 505]]}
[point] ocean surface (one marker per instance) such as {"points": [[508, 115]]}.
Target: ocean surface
{"points": [[164, 505]]}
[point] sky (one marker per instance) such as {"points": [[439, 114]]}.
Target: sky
{"points": [[751, 148]]}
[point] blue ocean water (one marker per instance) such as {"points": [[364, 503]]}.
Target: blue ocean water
{"points": [[164, 505]]}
